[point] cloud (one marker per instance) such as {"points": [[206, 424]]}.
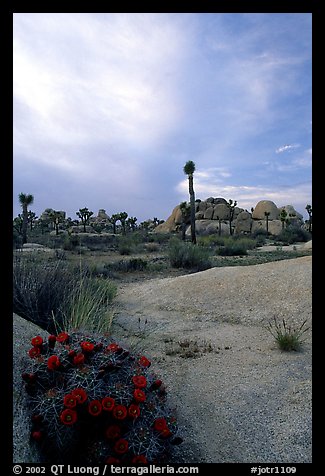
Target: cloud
{"points": [[286, 147]]}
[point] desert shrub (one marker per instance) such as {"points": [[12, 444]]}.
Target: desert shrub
{"points": [[45, 293], [236, 246], [88, 306], [125, 245], [287, 337], [210, 241], [70, 242], [151, 247], [260, 235], [128, 265], [189, 256], [92, 401], [293, 234]]}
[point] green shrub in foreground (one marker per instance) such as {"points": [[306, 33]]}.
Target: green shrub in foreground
{"points": [[287, 337], [188, 256], [51, 294]]}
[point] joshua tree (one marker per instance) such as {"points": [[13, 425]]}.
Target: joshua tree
{"points": [[114, 218], [189, 169], [56, 218], [310, 214], [219, 225], [25, 200], [283, 217], [122, 217], [31, 217], [185, 209], [155, 221], [267, 214], [231, 205], [132, 222], [18, 224], [84, 214]]}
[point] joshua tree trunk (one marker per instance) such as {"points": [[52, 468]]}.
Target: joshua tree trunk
{"points": [[192, 202], [25, 222]]}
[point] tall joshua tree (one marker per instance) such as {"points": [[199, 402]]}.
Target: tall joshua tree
{"points": [[231, 205], [189, 169], [25, 200], [267, 214]]}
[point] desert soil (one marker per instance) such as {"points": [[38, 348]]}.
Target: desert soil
{"points": [[238, 398]]}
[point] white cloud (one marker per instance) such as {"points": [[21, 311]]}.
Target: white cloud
{"points": [[286, 147]]}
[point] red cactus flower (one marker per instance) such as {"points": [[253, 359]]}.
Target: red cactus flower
{"points": [[165, 432], [70, 401], [51, 340], [156, 384], [37, 435], [112, 460], [34, 352], [53, 362], [120, 412], [160, 424], [28, 378], [139, 395], [139, 381], [68, 417], [144, 362], [87, 346], [134, 411], [121, 446], [108, 404], [78, 359], [63, 337], [79, 394], [113, 432], [37, 341], [113, 347], [72, 353], [139, 459], [95, 407], [37, 418]]}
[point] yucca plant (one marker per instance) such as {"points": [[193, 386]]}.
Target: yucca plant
{"points": [[287, 337]]}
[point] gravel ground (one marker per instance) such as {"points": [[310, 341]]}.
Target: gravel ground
{"points": [[238, 397]]}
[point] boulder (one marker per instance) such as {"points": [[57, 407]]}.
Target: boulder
{"points": [[23, 332], [219, 200], [199, 215], [202, 206], [275, 227], [208, 214], [243, 222], [210, 200], [102, 214], [178, 217], [308, 245], [169, 225], [221, 210], [265, 206], [291, 211], [80, 229]]}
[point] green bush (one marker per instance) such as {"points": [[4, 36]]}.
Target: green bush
{"points": [[128, 265], [46, 293], [287, 337], [236, 246], [188, 256], [293, 234]]}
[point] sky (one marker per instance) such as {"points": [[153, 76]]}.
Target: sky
{"points": [[108, 108]]}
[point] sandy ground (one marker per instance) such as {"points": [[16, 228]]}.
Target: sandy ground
{"points": [[238, 397]]}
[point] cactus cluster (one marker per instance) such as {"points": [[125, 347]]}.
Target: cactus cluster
{"points": [[93, 401]]}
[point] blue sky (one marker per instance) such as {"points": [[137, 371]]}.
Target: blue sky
{"points": [[108, 107]]}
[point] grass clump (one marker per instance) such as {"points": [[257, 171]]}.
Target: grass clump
{"points": [[287, 337], [50, 294], [235, 246], [188, 256]]}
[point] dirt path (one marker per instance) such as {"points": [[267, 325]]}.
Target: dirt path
{"points": [[238, 398]]}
